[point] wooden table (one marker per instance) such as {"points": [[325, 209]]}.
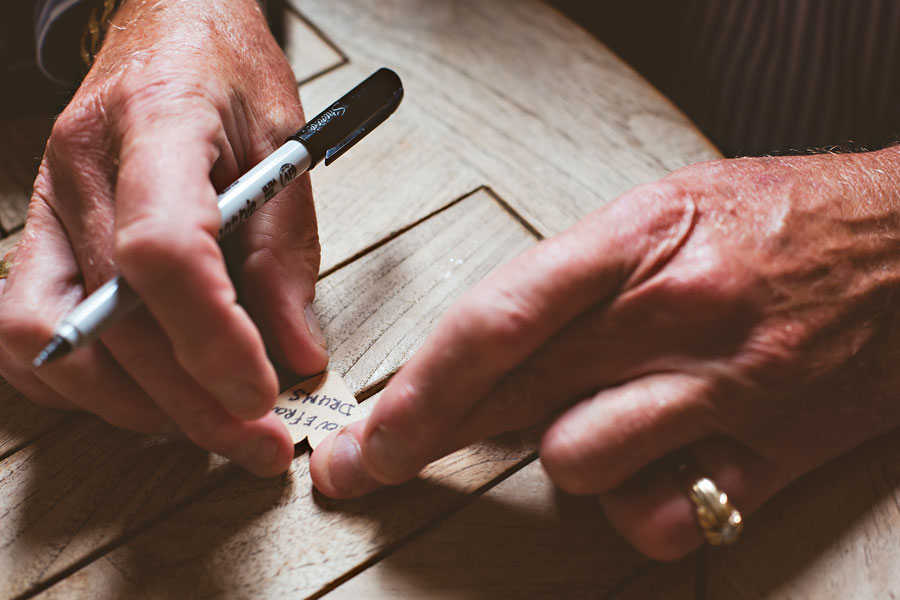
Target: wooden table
{"points": [[515, 124]]}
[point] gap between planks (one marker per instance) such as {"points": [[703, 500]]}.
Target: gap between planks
{"points": [[344, 59], [424, 528], [222, 478], [217, 481]]}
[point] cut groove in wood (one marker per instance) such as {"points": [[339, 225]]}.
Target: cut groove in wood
{"points": [[521, 539], [398, 290], [308, 51], [426, 527], [23, 422], [394, 234], [7, 243], [22, 143]]}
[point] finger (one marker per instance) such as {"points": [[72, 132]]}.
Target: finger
{"points": [[262, 446], [29, 385], [507, 317], [45, 275], [277, 264], [144, 352], [600, 442], [336, 465], [167, 221], [653, 512], [275, 255]]}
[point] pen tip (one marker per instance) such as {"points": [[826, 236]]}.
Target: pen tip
{"points": [[58, 346]]}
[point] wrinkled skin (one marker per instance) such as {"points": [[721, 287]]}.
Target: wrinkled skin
{"points": [[740, 313], [182, 98]]}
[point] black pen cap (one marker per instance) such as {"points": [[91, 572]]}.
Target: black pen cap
{"points": [[350, 119]]}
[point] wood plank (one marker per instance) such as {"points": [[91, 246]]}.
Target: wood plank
{"points": [[23, 421], [420, 272], [306, 51], [672, 581], [548, 117], [401, 173], [832, 534], [362, 188], [7, 243], [81, 486], [277, 538], [125, 480], [268, 537], [462, 125], [22, 144], [521, 539]]}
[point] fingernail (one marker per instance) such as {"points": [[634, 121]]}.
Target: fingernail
{"points": [[389, 456], [345, 468], [258, 455], [312, 322], [239, 397]]}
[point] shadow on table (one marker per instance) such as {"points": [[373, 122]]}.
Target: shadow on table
{"points": [[521, 539], [832, 532], [74, 489]]}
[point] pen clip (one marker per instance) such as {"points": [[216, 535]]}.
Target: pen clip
{"points": [[336, 129], [359, 133]]}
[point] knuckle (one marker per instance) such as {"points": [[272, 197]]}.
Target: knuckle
{"points": [[781, 350], [563, 461], [143, 99], [502, 316], [152, 242], [275, 251], [76, 128], [150, 88]]}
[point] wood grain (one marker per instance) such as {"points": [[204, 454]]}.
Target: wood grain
{"points": [[22, 421], [833, 534], [504, 96], [277, 538], [79, 487], [401, 173], [71, 493], [392, 297], [546, 116], [8, 243], [672, 581], [521, 539], [22, 144], [307, 52]]}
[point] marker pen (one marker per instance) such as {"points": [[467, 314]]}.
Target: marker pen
{"points": [[326, 137]]}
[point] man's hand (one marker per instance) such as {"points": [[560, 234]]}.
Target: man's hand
{"points": [[741, 313], [183, 97]]}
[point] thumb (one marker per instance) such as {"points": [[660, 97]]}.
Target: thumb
{"points": [[492, 330], [275, 258]]}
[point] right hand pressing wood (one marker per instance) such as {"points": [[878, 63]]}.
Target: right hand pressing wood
{"points": [[741, 312]]}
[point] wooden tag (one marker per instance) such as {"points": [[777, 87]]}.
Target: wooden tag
{"points": [[317, 406]]}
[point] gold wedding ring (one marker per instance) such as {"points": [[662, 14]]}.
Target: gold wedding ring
{"points": [[720, 522]]}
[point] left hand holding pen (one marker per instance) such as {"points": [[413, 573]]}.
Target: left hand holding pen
{"points": [[743, 313], [183, 98]]}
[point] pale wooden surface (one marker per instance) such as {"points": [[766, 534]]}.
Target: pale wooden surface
{"points": [[515, 124], [521, 539]]}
